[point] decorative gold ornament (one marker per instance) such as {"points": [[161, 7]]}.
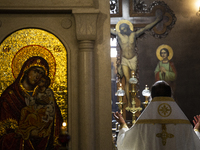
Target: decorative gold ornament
{"points": [[44, 44], [126, 22], [6, 49], [8, 124], [164, 110], [133, 109], [33, 50], [162, 121], [57, 48], [164, 135], [168, 48], [38, 61]]}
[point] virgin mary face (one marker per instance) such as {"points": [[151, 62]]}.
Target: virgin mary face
{"points": [[34, 75]]}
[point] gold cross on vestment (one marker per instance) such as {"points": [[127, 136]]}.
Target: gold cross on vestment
{"points": [[164, 135]]}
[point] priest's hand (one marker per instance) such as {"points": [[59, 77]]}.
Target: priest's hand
{"points": [[196, 122], [119, 118]]}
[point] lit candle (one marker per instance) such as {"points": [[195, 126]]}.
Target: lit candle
{"points": [[120, 86], [64, 128]]}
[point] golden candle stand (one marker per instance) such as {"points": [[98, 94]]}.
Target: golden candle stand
{"points": [[120, 106], [146, 93], [145, 103], [133, 81], [120, 93]]}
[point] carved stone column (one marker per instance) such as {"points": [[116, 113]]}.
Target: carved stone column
{"points": [[86, 35]]}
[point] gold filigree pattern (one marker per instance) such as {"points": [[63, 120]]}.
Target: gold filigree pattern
{"points": [[164, 109], [51, 45], [33, 50], [164, 135], [8, 124], [6, 49]]}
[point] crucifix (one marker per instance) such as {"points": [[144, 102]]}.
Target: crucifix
{"points": [[157, 17], [141, 14]]}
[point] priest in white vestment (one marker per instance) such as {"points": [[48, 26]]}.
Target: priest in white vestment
{"points": [[161, 126]]}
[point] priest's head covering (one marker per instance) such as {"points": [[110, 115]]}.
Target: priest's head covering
{"points": [[161, 126]]}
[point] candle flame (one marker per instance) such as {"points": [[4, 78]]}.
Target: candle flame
{"points": [[64, 124]]}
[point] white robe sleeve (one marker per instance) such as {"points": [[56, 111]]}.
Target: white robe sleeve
{"points": [[120, 137], [197, 133]]}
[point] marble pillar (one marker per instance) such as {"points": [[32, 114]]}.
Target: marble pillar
{"points": [[86, 35]]}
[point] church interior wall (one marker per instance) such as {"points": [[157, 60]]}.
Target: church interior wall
{"points": [[61, 4], [102, 79], [184, 40]]}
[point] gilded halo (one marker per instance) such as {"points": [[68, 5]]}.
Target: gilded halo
{"points": [[168, 48], [33, 50], [126, 22]]}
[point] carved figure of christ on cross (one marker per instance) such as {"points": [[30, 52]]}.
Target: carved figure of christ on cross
{"points": [[126, 37]]}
